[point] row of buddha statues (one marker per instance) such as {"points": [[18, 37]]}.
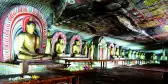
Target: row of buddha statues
{"points": [[87, 50], [136, 55], [121, 53], [29, 44], [155, 57]]}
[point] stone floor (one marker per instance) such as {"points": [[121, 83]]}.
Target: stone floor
{"points": [[123, 75]]}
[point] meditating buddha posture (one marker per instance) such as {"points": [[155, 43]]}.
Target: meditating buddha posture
{"points": [[91, 50], [28, 44], [59, 47], [84, 49], [76, 49], [111, 53]]}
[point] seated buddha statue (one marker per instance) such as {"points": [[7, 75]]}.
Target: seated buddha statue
{"points": [[29, 43], [91, 50], [59, 47], [111, 53], [84, 49], [76, 49]]}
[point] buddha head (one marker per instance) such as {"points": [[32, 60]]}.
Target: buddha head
{"points": [[30, 27], [60, 40], [76, 42]]}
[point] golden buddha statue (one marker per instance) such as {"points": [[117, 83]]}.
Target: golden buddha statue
{"points": [[59, 48], [91, 50], [117, 52], [29, 44], [137, 55], [111, 53], [123, 53], [76, 49], [130, 54], [85, 48]]}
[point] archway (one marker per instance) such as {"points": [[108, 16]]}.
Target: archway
{"points": [[72, 41], [55, 39]]}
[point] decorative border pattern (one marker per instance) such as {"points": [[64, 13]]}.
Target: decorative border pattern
{"points": [[16, 15]]}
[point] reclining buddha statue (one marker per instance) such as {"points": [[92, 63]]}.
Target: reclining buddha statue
{"points": [[29, 44]]}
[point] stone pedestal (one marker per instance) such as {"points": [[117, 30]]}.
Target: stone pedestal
{"points": [[24, 67]]}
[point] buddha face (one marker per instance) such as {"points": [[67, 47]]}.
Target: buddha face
{"points": [[30, 28], [61, 41], [77, 42]]}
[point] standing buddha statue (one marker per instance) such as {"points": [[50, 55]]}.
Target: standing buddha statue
{"points": [[91, 50], [117, 52], [130, 54], [123, 53], [111, 53], [84, 49]]}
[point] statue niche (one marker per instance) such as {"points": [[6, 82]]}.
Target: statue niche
{"points": [[76, 49], [29, 43], [59, 47]]}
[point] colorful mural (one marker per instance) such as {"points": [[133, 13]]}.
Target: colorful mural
{"points": [[71, 2]]}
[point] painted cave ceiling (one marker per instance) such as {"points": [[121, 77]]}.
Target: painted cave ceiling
{"points": [[141, 21]]}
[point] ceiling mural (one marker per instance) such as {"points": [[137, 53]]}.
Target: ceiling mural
{"points": [[140, 21]]}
